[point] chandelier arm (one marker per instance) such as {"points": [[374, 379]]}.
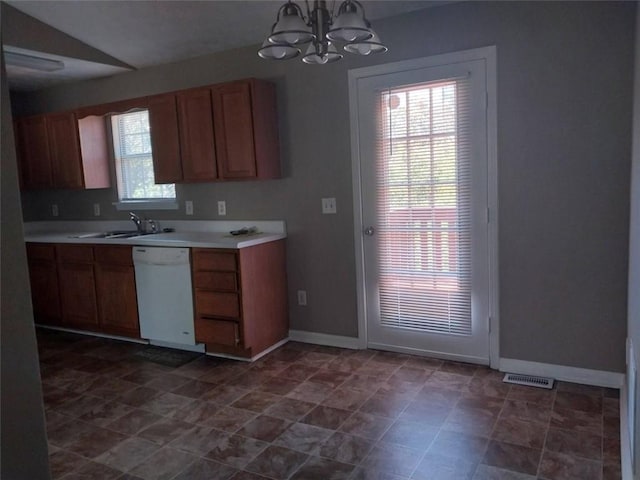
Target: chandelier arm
{"points": [[295, 6], [364, 15], [333, 11], [308, 19]]}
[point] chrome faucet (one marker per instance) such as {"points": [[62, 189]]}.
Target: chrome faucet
{"points": [[136, 219], [153, 225]]}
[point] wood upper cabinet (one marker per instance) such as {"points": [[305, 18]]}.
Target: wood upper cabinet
{"points": [[165, 141], [197, 143], [32, 145], [226, 131], [116, 290], [43, 274], [64, 149], [60, 151], [77, 286], [246, 130]]}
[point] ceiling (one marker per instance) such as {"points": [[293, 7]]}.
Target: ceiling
{"points": [[144, 33]]}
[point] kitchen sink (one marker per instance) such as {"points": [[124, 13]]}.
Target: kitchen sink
{"points": [[113, 234], [125, 234]]}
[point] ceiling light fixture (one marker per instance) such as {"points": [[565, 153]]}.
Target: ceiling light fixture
{"points": [[322, 30], [32, 62]]}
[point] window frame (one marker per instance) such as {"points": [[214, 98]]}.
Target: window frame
{"points": [[122, 204]]}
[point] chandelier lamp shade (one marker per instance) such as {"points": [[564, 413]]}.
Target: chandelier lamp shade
{"points": [[349, 28]]}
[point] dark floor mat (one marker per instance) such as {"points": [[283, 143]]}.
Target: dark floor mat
{"points": [[167, 356]]}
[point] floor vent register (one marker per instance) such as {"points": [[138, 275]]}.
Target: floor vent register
{"points": [[529, 380]]}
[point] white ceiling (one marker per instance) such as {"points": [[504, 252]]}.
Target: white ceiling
{"points": [[152, 32]]}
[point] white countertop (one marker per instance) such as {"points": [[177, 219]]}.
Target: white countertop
{"points": [[206, 234]]}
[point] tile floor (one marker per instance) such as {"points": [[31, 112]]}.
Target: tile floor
{"points": [[307, 412]]}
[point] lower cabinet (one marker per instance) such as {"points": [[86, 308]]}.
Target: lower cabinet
{"points": [[115, 282], [84, 287], [43, 274], [240, 298], [77, 287], [240, 295]]}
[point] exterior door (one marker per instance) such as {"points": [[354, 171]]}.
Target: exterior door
{"points": [[423, 173]]}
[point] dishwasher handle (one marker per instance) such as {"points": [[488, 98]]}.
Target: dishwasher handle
{"points": [[160, 256]]}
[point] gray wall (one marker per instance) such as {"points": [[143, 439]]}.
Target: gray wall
{"points": [[23, 437], [564, 116], [634, 238]]}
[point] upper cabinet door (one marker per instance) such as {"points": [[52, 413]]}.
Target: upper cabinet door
{"points": [[196, 136], [234, 129], [33, 148], [165, 142], [64, 148]]}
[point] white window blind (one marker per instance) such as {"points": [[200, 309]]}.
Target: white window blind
{"points": [[424, 200], [134, 160]]}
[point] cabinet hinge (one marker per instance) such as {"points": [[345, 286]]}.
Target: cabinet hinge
{"points": [[489, 325]]}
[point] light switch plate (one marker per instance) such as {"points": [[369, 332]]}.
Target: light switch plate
{"points": [[96, 209], [222, 207], [54, 210], [188, 207], [329, 205]]}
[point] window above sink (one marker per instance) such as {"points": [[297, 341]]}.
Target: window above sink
{"points": [[133, 157]]}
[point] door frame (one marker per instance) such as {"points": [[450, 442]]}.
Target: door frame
{"points": [[488, 54]]}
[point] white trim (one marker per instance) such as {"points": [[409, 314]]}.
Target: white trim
{"points": [[361, 301], [252, 359], [94, 334], [325, 339], [585, 376], [270, 349], [490, 56], [428, 353], [625, 449]]}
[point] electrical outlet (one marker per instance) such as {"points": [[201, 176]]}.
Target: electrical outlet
{"points": [[54, 210], [328, 205], [222, 207], [302, 298], [96, 209], [188, 207]]}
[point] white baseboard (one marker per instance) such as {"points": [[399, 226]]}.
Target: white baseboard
{"points": [[625, 448], [324, 339], [429, 353], [598, 378], [252, 359], [93, 334]]}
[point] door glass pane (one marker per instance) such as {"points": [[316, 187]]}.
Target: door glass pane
{"points": [[423, 209]]}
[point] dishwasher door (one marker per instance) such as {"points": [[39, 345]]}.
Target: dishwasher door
{"points": [[165, 299]]}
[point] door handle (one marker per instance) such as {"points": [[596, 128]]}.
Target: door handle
{"points": [[369, 231]]}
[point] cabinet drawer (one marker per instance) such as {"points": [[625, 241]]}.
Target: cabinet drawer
{"points": [[41, 251], [116, 255], [206, 259], [221, 281], [222, 332], [75, 253], [217, 304]]}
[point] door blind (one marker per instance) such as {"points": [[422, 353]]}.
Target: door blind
{"points": [[424, 207]]}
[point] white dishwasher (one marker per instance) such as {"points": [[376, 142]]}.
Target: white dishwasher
{"points": [[165, 299]]}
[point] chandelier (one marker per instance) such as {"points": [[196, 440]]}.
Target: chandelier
{"points": [[321, 29]]}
